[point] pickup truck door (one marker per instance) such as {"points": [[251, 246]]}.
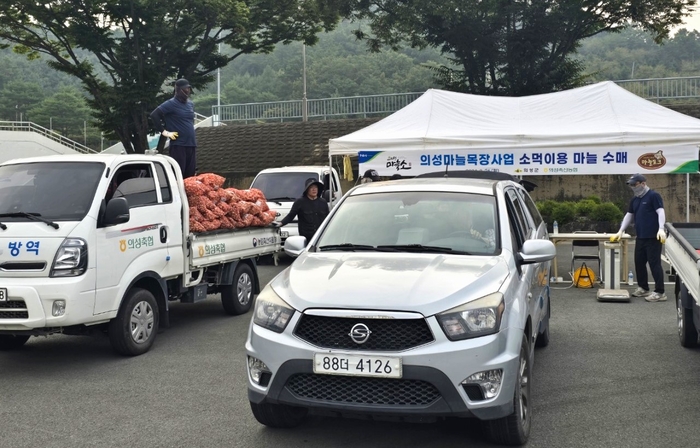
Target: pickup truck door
{"points": [[327, 176], [124, 251]]}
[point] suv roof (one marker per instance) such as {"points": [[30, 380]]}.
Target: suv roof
{"points": [[474, 174], [443, 184]]}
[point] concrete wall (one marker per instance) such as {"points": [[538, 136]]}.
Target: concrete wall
{"points": [[14, 144]]}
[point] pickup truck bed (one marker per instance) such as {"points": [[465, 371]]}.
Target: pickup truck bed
{"points": [[682, 247], [223, 246]]}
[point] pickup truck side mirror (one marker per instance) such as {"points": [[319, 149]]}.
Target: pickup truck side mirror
{"points": [[117, 212]]}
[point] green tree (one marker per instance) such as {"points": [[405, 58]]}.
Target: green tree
{"points": [[140, 47], [66, 112], [501, 47], [17, 97]]}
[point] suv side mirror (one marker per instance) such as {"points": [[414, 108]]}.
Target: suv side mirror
{"points": [[326, 195], [117, 212]]}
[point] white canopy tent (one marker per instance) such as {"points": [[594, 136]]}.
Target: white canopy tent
{"points": [[596, 129]]}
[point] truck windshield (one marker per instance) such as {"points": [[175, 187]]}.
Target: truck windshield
{"points": [[285, 186], [458, 223], [56, 191]]}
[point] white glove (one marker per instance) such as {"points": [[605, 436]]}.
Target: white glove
{"points": [[661, 236], [170, 135], [616, 237]]}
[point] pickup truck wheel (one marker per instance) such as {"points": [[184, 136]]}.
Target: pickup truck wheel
{"points": [[514, 429], [278, 415], [687, 333], [135, 328], [12, 342], [237, 298]]}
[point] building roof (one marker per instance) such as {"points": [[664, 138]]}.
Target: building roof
{"points": [[244, 150]]}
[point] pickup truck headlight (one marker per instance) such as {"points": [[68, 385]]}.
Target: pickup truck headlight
{"points": [[479, 317], [71, 259], [271, 312]]}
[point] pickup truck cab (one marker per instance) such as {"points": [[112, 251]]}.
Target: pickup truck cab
{"points": [[421, 298], [102, 242], [282, 186]]}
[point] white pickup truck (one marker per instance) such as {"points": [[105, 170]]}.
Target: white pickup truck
{"points": [[102, 242], [282, 186], [682, 251]]}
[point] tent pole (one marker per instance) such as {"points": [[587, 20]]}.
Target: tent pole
{"points": [[687, 197], [330, 176]]}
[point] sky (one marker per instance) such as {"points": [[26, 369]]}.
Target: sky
{"points": [[692, 22]]}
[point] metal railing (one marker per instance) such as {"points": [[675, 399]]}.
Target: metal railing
{"points": [[662, 89], [344, 107], [28, 126], [653, 89]]}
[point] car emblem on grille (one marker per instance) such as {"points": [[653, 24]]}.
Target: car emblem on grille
{"points": [[359, 333]]}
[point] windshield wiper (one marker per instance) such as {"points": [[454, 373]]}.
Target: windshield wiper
{"points": [[353, 247], [422, 248], [277, 200], [32, 216]]}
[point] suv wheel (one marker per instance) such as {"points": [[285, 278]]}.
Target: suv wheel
{"points": [[514, 429], [278, 415], [687, 333]]}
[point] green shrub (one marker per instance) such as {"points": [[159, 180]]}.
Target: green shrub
{"points": [[546, 208], [593, 198], [607, 211], [585, 207], [564, 213]]}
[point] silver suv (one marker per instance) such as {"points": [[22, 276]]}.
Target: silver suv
{"points": [[420, 298]]}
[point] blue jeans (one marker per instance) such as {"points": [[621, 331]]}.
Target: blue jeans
{"points": [[186, 157]]}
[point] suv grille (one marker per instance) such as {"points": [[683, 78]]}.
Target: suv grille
{"points": [[360, 390], [13, 309], [386, 334]]}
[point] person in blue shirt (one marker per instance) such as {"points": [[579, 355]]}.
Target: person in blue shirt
{"points": [[174, 119], [647, 211]]}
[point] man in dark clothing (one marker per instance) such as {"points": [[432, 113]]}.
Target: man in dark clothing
{"points": [[370, 176], [177, 115], [647, 211], [310, 209]]}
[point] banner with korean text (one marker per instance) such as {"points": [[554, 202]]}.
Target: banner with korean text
{"points": [[522, 162]]}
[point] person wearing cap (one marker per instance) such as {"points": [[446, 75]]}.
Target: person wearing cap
{"points": [[310, 208], [647, 210], [370, 176], [174, 120]]}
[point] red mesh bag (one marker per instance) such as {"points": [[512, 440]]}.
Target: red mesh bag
{"points": [[254, 209], [267, 217], [245, 195], [208, 215], [238, 223], [195, 215], [224, 206], [211, 180], [217, 195], [256, 221], [262, 203], [235, 212], [256, 195], [197, 227], [218, 212], [194, 187], [244, 207], [227, 223], [232, 195], [212, 225], [247, 219]]}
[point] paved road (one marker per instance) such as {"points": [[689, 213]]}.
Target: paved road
{"points": [[613, 376]]}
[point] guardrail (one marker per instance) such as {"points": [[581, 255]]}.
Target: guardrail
{"points": [[28, 126], [661, 89], [653, 89]]}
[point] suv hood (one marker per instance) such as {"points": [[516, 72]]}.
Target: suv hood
{"points": [[423, 283]]}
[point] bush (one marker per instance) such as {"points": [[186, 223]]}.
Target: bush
{"points": [[585, 207], [546, 208], [607, 211], [593, 198], [564, 212]]}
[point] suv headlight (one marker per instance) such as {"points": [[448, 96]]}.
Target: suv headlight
{"points": [[71, 259], [479, 317], [271, 312]]}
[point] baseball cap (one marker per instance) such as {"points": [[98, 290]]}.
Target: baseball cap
{"points": [[371, 174], [636, 178], [182, 83]]}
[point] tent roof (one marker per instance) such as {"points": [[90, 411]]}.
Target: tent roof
{"points": [[602, 114]]}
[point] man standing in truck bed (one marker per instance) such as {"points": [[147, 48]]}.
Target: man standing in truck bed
{"points": [[310, 208]]}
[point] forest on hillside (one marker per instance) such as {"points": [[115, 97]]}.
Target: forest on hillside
{"points": [[337, 66]]}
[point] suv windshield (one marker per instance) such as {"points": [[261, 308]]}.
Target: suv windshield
{"points": [[415, 221], [282, 186], [56, 191]]}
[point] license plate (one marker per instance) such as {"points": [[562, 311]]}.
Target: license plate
{"points": [[357, 365], [3, 294], [284, 234]]}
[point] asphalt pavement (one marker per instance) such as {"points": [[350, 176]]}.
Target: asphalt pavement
{"points": [[614, 375]]}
